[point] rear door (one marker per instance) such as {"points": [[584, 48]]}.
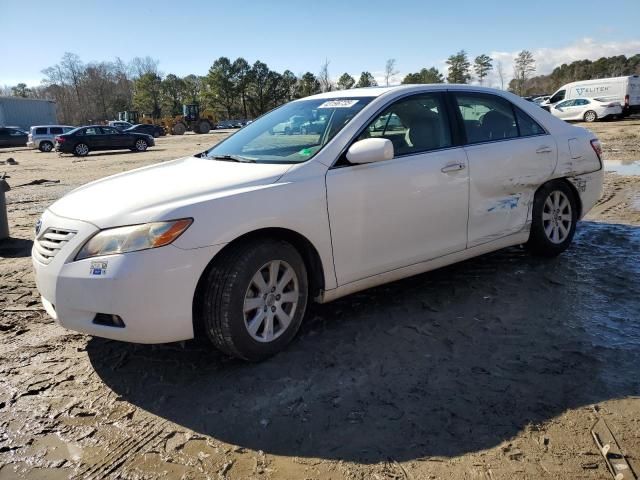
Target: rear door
{"points": [[114, 138], [93, 137], [510, 156]]}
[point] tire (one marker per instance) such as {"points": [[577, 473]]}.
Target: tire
{"points": [[204, 127], [590, 116], [45, 146], [179, 129], [81, 150], [555, 214], [141, 145], [228, 292]]}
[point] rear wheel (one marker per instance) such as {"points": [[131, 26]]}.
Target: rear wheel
{"points": [[555, 214], [45, 146], [204, 127], [252, 300], [81, 150], [590, 116]]}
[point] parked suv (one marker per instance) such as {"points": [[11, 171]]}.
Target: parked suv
{"points": [[43, 137]]}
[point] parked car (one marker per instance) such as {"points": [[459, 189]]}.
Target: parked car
{"points": [[12, 137], [624, 90], [154, 130], [289, 126], [233, 243], [587, 109], [541, 100], [43, 137], [83, 140], [119, 124]]}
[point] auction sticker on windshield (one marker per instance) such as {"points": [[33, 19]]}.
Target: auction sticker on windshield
{"points": [[338, 104]]}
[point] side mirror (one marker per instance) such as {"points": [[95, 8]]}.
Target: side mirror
{"points": [[370, 150]]}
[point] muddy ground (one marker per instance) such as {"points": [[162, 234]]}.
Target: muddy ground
{"points": [[495, 368]]}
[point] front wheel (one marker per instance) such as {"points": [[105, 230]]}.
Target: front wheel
{"points": [[252, 300], [141, 145], [555, 214], [590, 116]]}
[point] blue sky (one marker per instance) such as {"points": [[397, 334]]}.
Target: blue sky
{"points": [[354, 35]]}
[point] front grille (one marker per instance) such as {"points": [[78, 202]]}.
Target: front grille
{"points": [[50, 242]]}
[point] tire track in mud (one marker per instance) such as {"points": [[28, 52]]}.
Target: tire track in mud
{"points": [[125, 451]]}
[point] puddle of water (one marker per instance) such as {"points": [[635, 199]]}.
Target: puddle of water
{"points": [[623, 167]]}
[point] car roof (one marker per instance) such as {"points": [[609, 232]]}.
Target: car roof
{"points": [[417, 87], [53, 125]]}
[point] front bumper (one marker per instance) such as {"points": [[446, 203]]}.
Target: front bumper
{"points": [[151, 290]]}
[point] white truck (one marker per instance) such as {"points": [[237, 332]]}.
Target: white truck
{"points": [[625, 90]]}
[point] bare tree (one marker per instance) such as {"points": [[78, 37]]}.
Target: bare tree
{"points": [[326, 85], [500, 72], [390, 70], [523, 67]]}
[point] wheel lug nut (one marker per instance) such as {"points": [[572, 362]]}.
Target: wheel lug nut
{"points": [[273, 309], [265, 308], [273, 289], [277, 297]]}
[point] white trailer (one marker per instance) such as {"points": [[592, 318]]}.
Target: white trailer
{"points": [[26, 112], [625, 90]]}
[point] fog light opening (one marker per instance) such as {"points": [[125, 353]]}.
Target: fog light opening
{"points": [[108, 320]]}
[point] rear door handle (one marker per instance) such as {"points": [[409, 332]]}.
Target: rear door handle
{"points": [[544, 149], [456, 167]]}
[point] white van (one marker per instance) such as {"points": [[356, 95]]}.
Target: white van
{"points": [[625, 90]]}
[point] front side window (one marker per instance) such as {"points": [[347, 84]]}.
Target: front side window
{"points": [[292, 133], [92, 131], [55, 130], [109, 131], [486, 118], [566, 103], [415, 124]]}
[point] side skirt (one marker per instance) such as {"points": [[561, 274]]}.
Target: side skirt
{"points": [[417, 268]]}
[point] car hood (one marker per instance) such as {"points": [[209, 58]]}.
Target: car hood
{"points": [[155, 192]]}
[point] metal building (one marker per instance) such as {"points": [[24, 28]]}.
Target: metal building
{"points": [[26, 112]]}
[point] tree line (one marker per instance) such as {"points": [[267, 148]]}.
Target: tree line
{"points": [[97, 91]]}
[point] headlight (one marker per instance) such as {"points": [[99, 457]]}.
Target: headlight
{"points": [[133, 238]]}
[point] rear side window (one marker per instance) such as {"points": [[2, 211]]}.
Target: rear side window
{"points": [[528, 126], [55, 130], [486, 118], [41, 131], [415, 124], [92, 131]]}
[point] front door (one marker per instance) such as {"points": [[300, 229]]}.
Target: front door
{"points": [[396, 213]]}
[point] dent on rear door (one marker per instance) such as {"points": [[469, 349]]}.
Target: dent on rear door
{"points": [[504, 177]]}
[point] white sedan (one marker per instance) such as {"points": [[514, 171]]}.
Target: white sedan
{"points": [[233, 244], [586, 109]]}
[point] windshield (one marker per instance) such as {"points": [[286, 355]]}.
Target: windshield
{"points": [[292, 133]]}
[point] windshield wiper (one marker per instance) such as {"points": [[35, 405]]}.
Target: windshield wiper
{"points": [[233, 158]]}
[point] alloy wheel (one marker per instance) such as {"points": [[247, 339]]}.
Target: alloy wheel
{"points": [[557, 217], [271, 301], [141, 145]]}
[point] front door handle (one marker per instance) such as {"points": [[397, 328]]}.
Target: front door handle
{"points": [[544, 149], [456, 167]]}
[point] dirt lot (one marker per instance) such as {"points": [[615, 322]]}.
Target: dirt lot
{"points": [[495, 368]]}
